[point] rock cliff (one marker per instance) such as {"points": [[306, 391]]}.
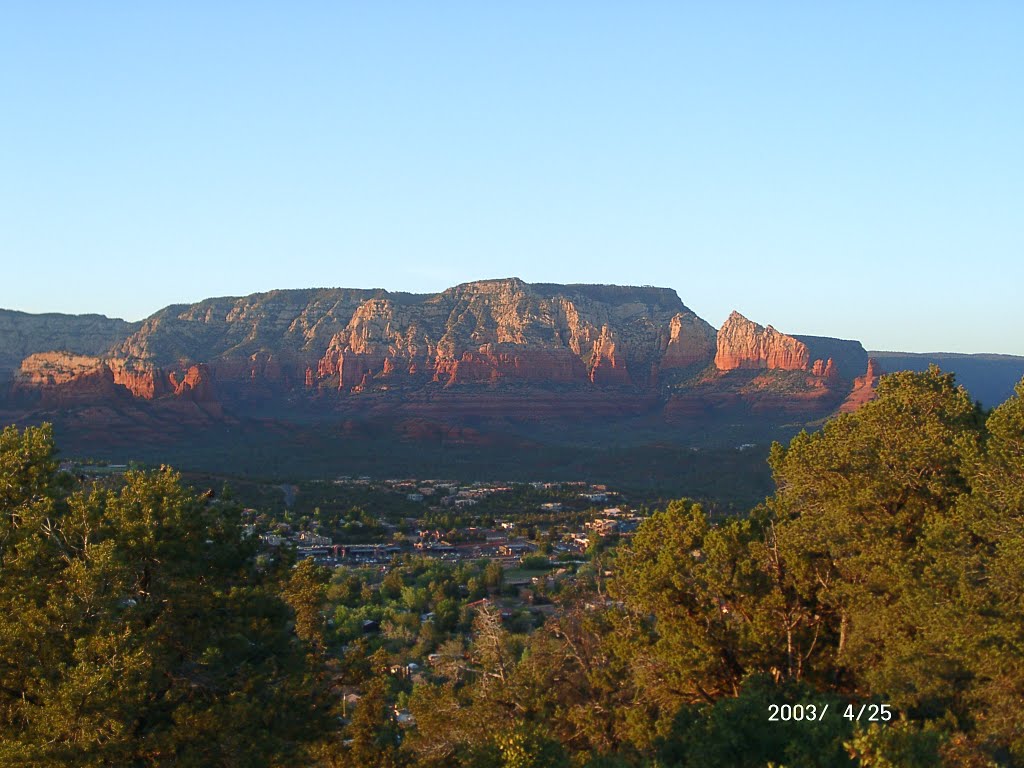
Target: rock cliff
{"points": [[62, 378], [492, 373], [23, 334], [486, 331], [743, 344], [863, 389], [497, 351]]}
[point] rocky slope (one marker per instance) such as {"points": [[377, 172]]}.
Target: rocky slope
{"points": [[743, 344], [863, 389], [489, 359], [343, 341], [63, 378], [22, 334], [507, 330], [350, 341]]}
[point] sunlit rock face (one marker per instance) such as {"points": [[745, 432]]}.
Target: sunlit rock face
{"points": [[490, 349], [743, 344]]}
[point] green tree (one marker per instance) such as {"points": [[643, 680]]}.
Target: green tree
{"points": [[900, 745], [494, 576], [305, 592], [527, 746], [134, 627], [991, 582], [372, 736], [686, 641], [865, 518], [735, 732]]}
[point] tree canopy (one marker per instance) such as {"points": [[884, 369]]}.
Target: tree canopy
{"points": [[138, 626], [133, 627]]}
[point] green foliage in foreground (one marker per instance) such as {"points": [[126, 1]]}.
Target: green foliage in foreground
{"points": [[887, 568], [132, 628]]}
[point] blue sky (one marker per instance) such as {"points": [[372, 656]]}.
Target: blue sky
{"points": [[843, 169]]}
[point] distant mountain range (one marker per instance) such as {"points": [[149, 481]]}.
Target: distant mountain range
{"points": [[989, 378], [496, 374]]}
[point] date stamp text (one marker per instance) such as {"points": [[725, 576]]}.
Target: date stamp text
{"points": [[872, 713]]}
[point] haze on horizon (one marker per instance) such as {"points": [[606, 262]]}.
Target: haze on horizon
{"points": [[854, 172]]}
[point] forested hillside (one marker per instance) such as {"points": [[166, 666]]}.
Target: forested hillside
{"points": [[879, 588]]}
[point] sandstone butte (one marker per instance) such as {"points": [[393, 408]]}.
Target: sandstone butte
{"points": [[485, 338], [863, 389]]}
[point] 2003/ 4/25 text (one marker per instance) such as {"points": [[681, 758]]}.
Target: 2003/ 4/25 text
{"points": [[875, 713]]}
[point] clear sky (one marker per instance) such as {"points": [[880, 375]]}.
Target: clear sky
{"points": [[845, 169]]}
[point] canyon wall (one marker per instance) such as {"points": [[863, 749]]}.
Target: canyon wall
{"points": [[743, 344], [640, 342]]}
